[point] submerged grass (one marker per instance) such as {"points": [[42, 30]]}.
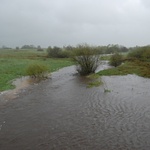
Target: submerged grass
{"points": [[13, 64], [130, 67], [94, 80]]}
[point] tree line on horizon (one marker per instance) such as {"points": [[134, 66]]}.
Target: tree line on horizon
{"points": [[65, 51]]}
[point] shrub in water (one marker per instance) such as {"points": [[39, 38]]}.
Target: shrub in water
{"points": [[37, 70], [86, 58]]}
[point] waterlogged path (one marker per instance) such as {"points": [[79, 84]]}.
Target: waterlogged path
{"points": [[62, 114]]}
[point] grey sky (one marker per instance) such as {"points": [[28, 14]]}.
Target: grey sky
{"points": [[72, 22]]}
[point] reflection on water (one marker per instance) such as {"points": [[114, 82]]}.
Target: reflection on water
{"points": [[62, 114]]}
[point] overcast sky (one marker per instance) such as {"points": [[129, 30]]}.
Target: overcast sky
{"points": [[72, 22]]}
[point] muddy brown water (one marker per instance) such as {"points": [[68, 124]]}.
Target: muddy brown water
{"points": [[61, 113]]}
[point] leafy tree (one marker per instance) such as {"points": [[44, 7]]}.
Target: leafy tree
{"points": [[28, 47]]}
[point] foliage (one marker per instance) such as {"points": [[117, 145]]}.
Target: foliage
{"points": [[94, 80], [57, 52], [116, 59], [53, 52], [37, 70], [28, 47], [39, 48], [94, 84], [17, 48], [141, 53], [109, 49], [134, 67], [86, 58], [65, 52]]}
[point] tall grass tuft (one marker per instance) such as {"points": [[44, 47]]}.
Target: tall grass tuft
{"points": [[37, 70]]}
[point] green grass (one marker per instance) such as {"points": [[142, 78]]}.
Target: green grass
{"points": [[135, 67], [108, 56], [13, 64], [22, 53], [105, 57]]}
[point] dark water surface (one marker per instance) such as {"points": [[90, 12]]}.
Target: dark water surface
{"points": [[62, 114]]}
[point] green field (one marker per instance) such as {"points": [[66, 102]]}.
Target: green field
{"points": [[13, 64]]}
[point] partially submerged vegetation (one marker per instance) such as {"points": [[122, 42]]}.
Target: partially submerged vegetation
{"points": [[14, 63], [130, 67], [37, 71], [86, 58], [136, 62], [94, 80]]}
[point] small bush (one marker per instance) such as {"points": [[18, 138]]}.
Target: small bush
{"points": [[64, 54], [37, 71], [57, 52], [54, 52], [116, 59]]}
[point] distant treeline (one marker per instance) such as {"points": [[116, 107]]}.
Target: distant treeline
{"points": [[28, 47], [24, 47], [64, 52], [141, 52], [6, 47]]}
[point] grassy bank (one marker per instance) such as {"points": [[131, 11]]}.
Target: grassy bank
{"points": [[130, 67], [137, 61], [13, 64]]}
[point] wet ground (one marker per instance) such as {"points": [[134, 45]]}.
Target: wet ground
{"points": [[61, 113]]}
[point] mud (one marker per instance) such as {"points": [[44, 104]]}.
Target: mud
{"points": [[61, 113]]}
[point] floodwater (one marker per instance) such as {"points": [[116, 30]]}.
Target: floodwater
{"points": [[61, 113]]}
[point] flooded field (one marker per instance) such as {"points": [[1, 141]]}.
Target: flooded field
{"points": [[61, 113]]}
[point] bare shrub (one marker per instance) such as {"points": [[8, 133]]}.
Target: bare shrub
{"points": [[86, 58]]}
